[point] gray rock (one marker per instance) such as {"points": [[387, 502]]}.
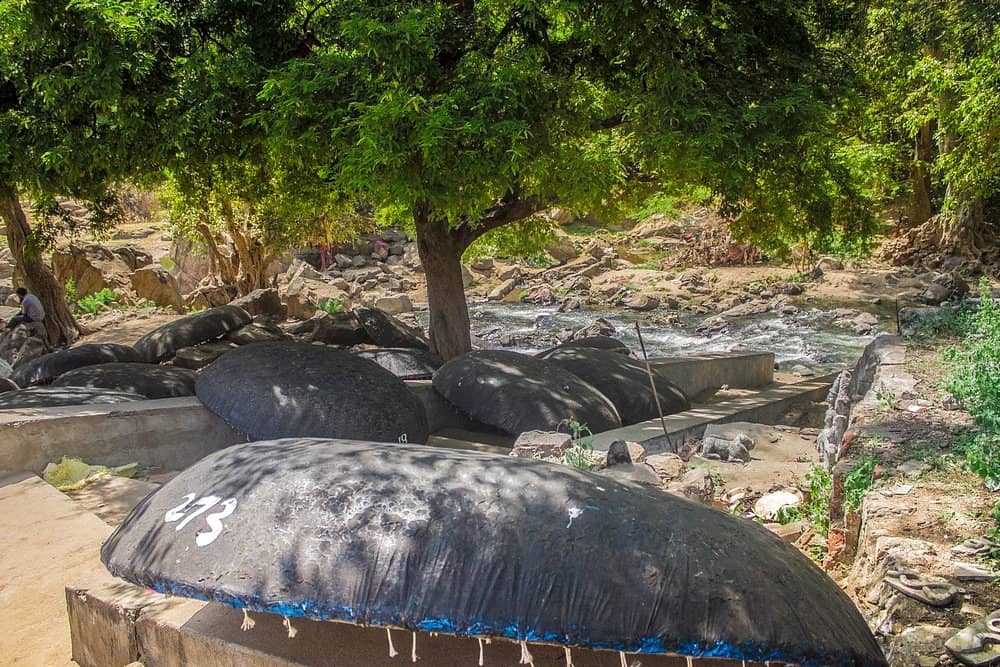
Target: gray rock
{"points": [[202, 355], [695, 484], [639, 473], [502, 290], [916, 642], [510, 273], [541, 445], [642, 302], [977, 645], [394, 305], [262, 302], [387, 331]]}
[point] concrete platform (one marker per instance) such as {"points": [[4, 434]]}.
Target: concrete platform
{"points": [[49, 542], [764, 407], [702, 374], [167, 433], [115, 624]]}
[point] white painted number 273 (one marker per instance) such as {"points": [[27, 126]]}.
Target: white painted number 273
{"points": [[191, 508]]}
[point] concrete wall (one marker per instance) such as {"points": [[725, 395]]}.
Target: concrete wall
{"points": [[705, 373], [112, 625], [765, 407], [169, 433]]}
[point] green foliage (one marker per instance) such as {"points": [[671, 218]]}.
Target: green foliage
{"points": [[886, 398], [80, 83], [976, 367], [672, 204], [576, 455], [519, 240], [330, 306], [932, 76], [858, 482], [816, 508], [94, 303], [70, 288]]}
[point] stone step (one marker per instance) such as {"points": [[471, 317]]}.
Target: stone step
{"points": [[49, 542], [764, 407], [114, 625]]}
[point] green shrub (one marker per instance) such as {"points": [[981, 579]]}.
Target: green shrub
{"points": [[70, 288], [93, 303], [576, 455], [974, 383], [330, 306], [858, 482]]}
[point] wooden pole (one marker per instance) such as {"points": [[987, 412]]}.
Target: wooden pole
{"points": [[652, 384]]}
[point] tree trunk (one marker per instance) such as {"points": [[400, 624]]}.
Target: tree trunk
{"points": [[923, 154], [440, 251], [60, 326]]}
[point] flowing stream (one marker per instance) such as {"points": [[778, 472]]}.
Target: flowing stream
{"points": [[807, 338]]}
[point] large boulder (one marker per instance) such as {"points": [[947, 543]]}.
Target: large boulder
{"points": [[304, 296], [263, 302], [405, 363], [45, 369], [517, 393], [277, 390], [52, 397], [149, 380], [189, 263], [209, 296], [623, 380], [163, 342], [134, 256], [387, 331], [157, 285], [91, 267]]}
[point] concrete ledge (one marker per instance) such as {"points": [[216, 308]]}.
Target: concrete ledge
{"points": [[115, 624], [169, 433], [764, 407], [704, 373]]}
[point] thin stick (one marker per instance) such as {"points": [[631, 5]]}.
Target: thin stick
{"points": [[652, 384]]}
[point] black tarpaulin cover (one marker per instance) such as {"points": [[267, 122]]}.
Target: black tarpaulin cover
{"points": [[482, 545]]}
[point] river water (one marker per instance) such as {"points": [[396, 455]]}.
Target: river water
{"points": [[807, 338]]}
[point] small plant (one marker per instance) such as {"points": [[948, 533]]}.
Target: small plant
{"points": [[144, 304], [330, 306], [816, 508], [858, 482], [886, 398], [93, 303], [70, 288], [577, 455]]}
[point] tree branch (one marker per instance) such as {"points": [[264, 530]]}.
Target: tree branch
{"points": [[510, 209]]}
